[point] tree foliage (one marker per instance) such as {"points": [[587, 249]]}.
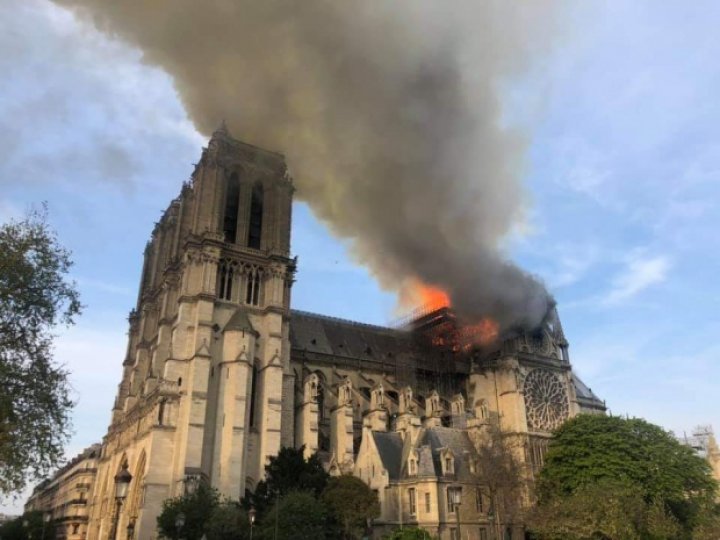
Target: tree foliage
{"points": [[297, 516], [197, 508], [35, 297], [640, 459], [409, 533], [228, 521], [606, 510], [352, 503], [287, 472], [502, 473], [26, 527]]}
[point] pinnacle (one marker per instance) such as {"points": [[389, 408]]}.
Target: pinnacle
{"points": [[222, 130]]}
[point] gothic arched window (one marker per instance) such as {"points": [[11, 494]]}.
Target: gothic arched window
{"points": [[224, 282], [253, 394], [252, 294], [256, 215], [321, 402], [232, 201]]}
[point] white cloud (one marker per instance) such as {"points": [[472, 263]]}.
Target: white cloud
{"points": [[640, 273]]}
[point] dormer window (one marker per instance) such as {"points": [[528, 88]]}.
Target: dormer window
{"points": [[413, 464], [447, 459]]}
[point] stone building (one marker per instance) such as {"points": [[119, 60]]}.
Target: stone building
{"points": [[702, 440], [220, 372], [63, 498]]}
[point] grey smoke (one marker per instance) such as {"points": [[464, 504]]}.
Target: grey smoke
{"points": [[388, 112]]}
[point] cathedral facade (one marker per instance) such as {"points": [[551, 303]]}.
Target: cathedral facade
{"points": [[220, 372]]}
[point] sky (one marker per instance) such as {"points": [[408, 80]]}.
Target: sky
{"points": [[622, 173]]}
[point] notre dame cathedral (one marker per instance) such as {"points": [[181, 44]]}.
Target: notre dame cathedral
{"points": [[220, 373]]}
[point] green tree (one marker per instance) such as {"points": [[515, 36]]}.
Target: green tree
{"points": [[297, 516], [589, 449], [288, 471], [707, 522], [26, 527], [228, 521], [606, 510], [501, 473], [352, 503], [35, 298], [197, 508], [409, 533]]}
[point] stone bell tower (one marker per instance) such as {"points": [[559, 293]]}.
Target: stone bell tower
{"points": [[246, 208], [207, 390]]}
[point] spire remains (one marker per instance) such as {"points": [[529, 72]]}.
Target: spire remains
{"points": [[222, 130]]}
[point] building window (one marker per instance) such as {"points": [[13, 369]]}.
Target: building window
{"points": [[230, 217], [253, 395], [453, 498], [321, 402], [75, 527], [161, 412], [411, 498], [252, 294], [256, 215], [454, 534], [483, 534], [478, 500], [224, 283], [412, 467], [427, 502]]}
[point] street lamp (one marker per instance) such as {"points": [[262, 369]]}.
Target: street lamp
{"points": [[494, 518], [456, 504], [179, 523], [46, 520], [252, 513], [131, 530], [122, 483]]}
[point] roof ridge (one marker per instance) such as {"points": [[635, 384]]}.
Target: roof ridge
{"points": [[345, 321]]}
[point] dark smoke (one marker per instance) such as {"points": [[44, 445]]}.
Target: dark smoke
{"points": [[389, 115]]}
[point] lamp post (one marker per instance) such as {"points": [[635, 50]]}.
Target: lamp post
{"points": [[456, 505], [46, 520], [251, 517], [494, 517], [122, 482], [179, 523]]}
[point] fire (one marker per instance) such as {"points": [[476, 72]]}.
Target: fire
{"points": [[463, 337], [481, 333], [432, 298]]}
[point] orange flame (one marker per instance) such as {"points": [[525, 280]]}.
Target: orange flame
{"points": [[481, 333], [432, 298]]}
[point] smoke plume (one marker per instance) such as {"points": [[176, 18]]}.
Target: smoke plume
{"points": [[388, 113]]}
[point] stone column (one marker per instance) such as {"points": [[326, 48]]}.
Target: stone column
{"points": [[306, 416], [341, 427], [377, 417], [232, 419]]}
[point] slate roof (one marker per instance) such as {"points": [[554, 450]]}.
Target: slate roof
{"points": [[390, 449], [584, 392], [374, 345], [457, 441], [429, 445], [240, 321], [339, 337]]}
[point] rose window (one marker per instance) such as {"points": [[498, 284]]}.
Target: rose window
{"points": [[546, 402]]}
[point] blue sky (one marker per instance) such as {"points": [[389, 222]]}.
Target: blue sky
{"points": [[623, 175]]}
